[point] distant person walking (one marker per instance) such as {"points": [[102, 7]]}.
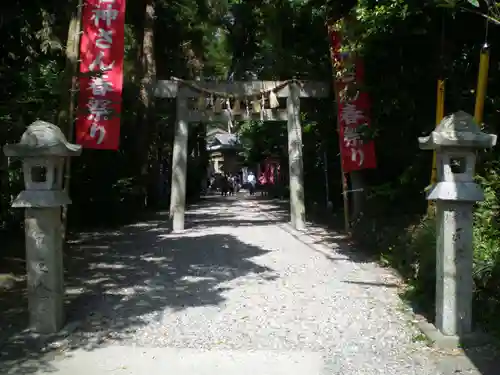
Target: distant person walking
{"points": [[231, 182], [252, 181], [225, 185]]}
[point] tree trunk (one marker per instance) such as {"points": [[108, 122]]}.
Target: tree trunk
{"points": [[66, 115], [146, 124]]}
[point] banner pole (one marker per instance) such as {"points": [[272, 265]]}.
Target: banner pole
{"points": [[347, 224]]}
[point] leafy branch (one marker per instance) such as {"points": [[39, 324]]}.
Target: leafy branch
{"points": [[492, 13]]}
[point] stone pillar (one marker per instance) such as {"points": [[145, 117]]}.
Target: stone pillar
{"points": [[42, 150], [454, 284], [297, 206], [44, 265], [179, 165], [455, 141]]}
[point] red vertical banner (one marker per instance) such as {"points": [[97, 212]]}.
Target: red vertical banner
{"points": [[101, 74], [352, 110]]}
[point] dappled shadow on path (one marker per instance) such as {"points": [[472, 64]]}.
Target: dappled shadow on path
{"points": [[119, 281], [485, 358], [217, 211], [321, 234]]}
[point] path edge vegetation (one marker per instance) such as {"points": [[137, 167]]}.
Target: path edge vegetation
{"points": [[407, 242]]}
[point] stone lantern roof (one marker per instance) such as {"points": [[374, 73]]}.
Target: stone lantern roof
{"points": [[42, 139], [458, 130]]}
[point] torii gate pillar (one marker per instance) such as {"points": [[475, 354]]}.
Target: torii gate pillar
{"points": [[295, 161], [179, 165]]}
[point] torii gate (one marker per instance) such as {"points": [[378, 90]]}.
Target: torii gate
{"points": [[257, 91]]}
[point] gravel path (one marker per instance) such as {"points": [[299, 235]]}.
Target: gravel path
{"points": [[241, 280]]}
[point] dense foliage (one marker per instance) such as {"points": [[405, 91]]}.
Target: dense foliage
{"points": [[406, 45]]}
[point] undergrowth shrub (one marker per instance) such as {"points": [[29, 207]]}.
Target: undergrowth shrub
{"points": [[487, 249], [408, 244]]}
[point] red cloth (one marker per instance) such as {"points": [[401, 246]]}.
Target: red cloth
{"points": [[262, 178], [270, 172]]}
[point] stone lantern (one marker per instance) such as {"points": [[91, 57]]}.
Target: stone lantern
{"points": [[42, 151], [456, 141]]}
